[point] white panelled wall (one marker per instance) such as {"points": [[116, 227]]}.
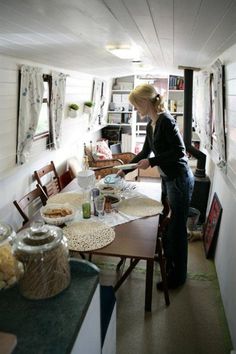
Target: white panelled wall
{"points": [[224, 184], [15, 181]]}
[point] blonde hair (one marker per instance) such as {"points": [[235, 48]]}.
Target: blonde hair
{"points": [[147, 92]]}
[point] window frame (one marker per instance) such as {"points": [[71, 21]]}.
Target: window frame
{"points": [[47, 134]]}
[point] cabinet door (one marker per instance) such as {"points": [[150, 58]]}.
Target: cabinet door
{"points": [[89, 337]]}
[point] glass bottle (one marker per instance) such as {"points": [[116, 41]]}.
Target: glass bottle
{"points": [[86, 210]]}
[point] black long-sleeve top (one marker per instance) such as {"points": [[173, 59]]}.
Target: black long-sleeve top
{"points": [[167, 145]]}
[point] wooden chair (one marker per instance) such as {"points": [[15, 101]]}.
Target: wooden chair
{"points": [[32, 200], [105, 167], [160, 257], [47, 177], [65, 178]]}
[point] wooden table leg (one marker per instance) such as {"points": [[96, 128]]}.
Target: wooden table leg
{"points": [[149, 284], [126, 274]]}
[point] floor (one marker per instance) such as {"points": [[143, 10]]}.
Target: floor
{"points": [[194, 323]]}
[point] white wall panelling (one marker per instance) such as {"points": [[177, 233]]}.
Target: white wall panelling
{"points": [[15, 181], [224, 184]]}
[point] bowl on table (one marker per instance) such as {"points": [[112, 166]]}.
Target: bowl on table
{"points": [[111, 201], [57, 214], [107, 189]]}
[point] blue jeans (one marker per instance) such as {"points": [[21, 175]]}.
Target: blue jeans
{"points": [[178, 192]]}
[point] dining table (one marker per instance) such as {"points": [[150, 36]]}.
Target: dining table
{"points": [[134, 240]]}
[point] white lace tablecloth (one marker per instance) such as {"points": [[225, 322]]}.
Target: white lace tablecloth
{"points": [[139, 200]]}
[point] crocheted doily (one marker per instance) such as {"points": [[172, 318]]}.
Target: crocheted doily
{"points": [[141, 206], [74, 199], [88, 235]]}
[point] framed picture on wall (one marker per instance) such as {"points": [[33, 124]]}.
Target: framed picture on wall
{"points": [[212, 227]]}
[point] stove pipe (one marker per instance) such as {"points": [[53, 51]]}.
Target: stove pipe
{"points": [[187, 130]]}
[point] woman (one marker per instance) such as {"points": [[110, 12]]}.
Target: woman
{"points": [[165, 142]]}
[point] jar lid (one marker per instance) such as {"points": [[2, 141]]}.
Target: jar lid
{"points": [[39, 237], [5, 231]]}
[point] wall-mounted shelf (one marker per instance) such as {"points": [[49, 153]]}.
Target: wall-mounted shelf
{"points": [[176, 113], [123, 91], [119, 112], [119, 124]]}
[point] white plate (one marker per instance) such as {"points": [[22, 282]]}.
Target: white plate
{"points": [[128, 166]]}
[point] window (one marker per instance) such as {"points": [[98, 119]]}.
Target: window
{"points": [[43, 128]]}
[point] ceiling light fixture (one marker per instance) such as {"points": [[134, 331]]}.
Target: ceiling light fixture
{"points": [[123, 52]]}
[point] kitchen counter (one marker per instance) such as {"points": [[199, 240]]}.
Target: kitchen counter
{"points": [[51, 325]]}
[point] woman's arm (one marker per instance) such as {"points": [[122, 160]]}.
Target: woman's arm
{"points": [[146, 150]]}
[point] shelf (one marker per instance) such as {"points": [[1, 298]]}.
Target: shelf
{"points": [[96, 128], [119, 124], [126, 91], [119, 112], [176, 91], [141, 124], [177, 113]]}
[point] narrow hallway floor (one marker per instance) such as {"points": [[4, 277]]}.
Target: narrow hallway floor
{"points": [[194, 322]]}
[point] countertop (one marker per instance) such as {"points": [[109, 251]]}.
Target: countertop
{"points": [[51, 325]]}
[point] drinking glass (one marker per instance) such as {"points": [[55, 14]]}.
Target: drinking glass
{"points": [[99, 203]]}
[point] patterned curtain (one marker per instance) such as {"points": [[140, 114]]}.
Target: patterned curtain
{"points": [[30, 102], [98, 98], [217, 69], [57, 106]]}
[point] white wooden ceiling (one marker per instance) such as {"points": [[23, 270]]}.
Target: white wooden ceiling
{"points": [[72, 34]]}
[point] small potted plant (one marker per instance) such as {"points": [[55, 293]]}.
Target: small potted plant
{"points": [[72, 110], [88, 106]]}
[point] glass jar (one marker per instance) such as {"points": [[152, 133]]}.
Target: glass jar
{"points": [[43, 251], [8, 264]]}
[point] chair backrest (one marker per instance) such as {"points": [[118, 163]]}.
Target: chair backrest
{"points": [[31, 202], [47, 177], [65, 178]]}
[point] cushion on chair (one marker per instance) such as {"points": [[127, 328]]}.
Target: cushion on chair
{"points": [[104, 150]]}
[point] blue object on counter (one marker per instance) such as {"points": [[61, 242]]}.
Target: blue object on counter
{"points": [[112, 179], [108, 301]]}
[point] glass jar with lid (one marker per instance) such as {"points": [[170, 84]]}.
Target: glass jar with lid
{"points": [[8, 264], [43, 251]]}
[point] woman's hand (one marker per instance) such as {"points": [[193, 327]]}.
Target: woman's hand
{"points": [[143, 164], [121, 173]]}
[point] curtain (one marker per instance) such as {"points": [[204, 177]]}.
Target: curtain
{"points": [[98, 99], [57, 106], [30, 102], [217, 69]]}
